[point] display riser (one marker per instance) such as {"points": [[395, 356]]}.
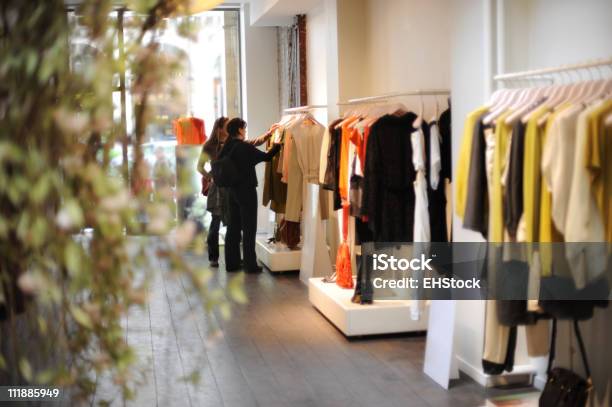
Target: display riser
{"points": [[381, 317], [277, 261], [521, 375]]}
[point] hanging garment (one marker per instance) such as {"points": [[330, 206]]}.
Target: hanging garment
{"points": [[584, 221], [290, 233], [558, 163], [332, 169], [308, 137], [502, 140], [422, 232], [189, 130], [274, 191], [513, 200], [547, 232], [531, 178], [355, 190], [345, 140], [363, 130], [476, 214], [295, 187], [325, 145], [444, 125], [597, 153], [461, 180], [388, 196], [344, 273], [436, 198], [435, 158]]}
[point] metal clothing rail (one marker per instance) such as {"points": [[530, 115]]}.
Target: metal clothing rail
{"points": [[418, 92], [557, 69], [304, 108]]}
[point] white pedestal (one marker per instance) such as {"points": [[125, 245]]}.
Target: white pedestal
{"points": [[315, 260], [276, 259], [381, 317], [440, 362]]}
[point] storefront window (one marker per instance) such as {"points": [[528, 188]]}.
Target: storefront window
{"points": [[206, 85]]}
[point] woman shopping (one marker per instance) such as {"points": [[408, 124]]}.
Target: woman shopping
{"points": [[242, 200], [214, 203]]}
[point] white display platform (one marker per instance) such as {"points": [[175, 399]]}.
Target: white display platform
{"points": [[275, 259], [315, 260], [381, 317]]}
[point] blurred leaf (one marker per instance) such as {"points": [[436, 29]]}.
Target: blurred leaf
{"points": [[42, 325], [236, 289], [70, 215], [72, 258], [38, 232], [3, 228], [81, 317], [23, 226], [25, 369], [45, 71], [31, 61], [194, 378], [44, 377], [40, 190], [226, 310], [2, 363]]}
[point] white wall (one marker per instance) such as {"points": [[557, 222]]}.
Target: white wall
{"points": [[470, 54], [316, 57], [260, 88], [408, 44], [544, 33], [377, 46]]}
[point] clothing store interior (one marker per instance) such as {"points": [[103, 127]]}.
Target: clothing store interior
{"points": [[304, 131]]}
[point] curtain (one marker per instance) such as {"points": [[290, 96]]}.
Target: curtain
{"points": [[292, 63]]}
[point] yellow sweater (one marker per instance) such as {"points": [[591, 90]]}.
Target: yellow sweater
{"points": [[502, 142], [598, 161], [531, 176]]}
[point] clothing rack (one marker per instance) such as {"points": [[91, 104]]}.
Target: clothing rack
{"points": [[418, 92], [304, 108], [545, 71]]}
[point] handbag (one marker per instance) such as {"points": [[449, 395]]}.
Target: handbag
{"points": [[205, 185], [565, 388]]}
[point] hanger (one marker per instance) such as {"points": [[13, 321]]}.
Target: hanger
{"points": [[594, 89], [496, 97], [436, 114], [601, 89], [533, 99], [553, 95], [418, 122], [511, 98]]}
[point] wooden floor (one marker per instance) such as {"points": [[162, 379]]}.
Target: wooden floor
{"points": [[275, 351]]}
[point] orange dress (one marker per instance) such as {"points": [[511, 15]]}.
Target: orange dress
{"points": [[189, 130]]}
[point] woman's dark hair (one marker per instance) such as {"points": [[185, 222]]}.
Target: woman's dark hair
{"points": [[214, 134], [213, 143], [234, 126]]}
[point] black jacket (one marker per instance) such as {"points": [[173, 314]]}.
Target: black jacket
{"points": [[388, 193], [246, 156]]}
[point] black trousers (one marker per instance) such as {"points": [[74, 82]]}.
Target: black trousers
{"points": [[242, 218], [213, 238]]}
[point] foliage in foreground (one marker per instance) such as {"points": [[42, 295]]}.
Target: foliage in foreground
{"points": [[56, 135]]}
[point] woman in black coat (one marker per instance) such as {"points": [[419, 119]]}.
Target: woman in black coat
{"points": [[243, 197]]}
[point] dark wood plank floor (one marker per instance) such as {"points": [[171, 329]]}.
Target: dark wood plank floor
{"points": [[275, 351]]}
